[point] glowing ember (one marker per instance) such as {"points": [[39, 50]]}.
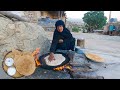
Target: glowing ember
{"points": [[35, 54], [63, 67]]}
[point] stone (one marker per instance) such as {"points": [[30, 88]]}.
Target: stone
{"points": [[21, 35], [11, 26]]}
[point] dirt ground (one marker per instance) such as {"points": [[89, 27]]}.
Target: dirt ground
{"points": [[108, 47], [104, 45]]}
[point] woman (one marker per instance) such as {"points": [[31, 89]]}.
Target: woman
{"points": [[62, 39]]}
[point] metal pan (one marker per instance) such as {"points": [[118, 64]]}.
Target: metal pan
{"points": [[45, 66]]}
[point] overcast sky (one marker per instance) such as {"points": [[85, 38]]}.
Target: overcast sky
{"points": [[80, 14]]}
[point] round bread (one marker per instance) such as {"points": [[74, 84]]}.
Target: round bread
{"points": [[58, 60], [25, 65], [94, 57]]}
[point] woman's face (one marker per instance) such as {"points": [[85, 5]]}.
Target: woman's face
{"points": [[60, 28]]}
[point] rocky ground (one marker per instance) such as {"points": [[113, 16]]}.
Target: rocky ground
{"points": [[103, 45], [107, 47]]}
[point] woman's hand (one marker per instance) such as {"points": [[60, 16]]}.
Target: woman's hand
{"points": [[51, 57], [60, 41]]}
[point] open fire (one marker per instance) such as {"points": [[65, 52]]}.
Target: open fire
{"points": [[36, 58]]}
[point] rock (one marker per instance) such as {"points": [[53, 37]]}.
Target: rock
{"points": [[22, 35], [41, 73], [11, 26], [86, 76], [83, 68], [80, 59]]}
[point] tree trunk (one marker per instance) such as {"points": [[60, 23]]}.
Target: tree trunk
{"points": [[11, 16]]}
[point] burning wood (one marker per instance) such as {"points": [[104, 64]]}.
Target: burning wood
{"points": [[35, 54], [63, 67]]}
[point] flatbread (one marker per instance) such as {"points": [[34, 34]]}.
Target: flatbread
{"points": [[94, 57], [25, 65], [16, 52], [58, 60]]}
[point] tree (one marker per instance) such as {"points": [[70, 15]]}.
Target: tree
{"points": [[75, 29], [95, 19]]}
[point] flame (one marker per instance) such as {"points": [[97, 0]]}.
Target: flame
{"points": [[63, 67], [35, 54]]}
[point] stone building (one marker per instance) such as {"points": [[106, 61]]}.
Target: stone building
{"points": [[35, 15], [46, 19]]}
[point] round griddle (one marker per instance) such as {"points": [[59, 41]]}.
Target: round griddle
{"points": [[45, 66]]}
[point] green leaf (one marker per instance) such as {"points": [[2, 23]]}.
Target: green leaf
{"points": [[95, 19]]}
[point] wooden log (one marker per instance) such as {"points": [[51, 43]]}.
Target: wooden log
{"points": [[11, 16], [81, 43]]}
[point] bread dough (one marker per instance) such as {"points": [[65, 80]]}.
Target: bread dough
{"points": [[58, 60], [9, 61], [11, 71]]}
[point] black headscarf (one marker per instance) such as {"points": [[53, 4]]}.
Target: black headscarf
{"points": [[60, 22]]}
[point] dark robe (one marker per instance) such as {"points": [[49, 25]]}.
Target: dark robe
{"points": [[65, 35]]}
